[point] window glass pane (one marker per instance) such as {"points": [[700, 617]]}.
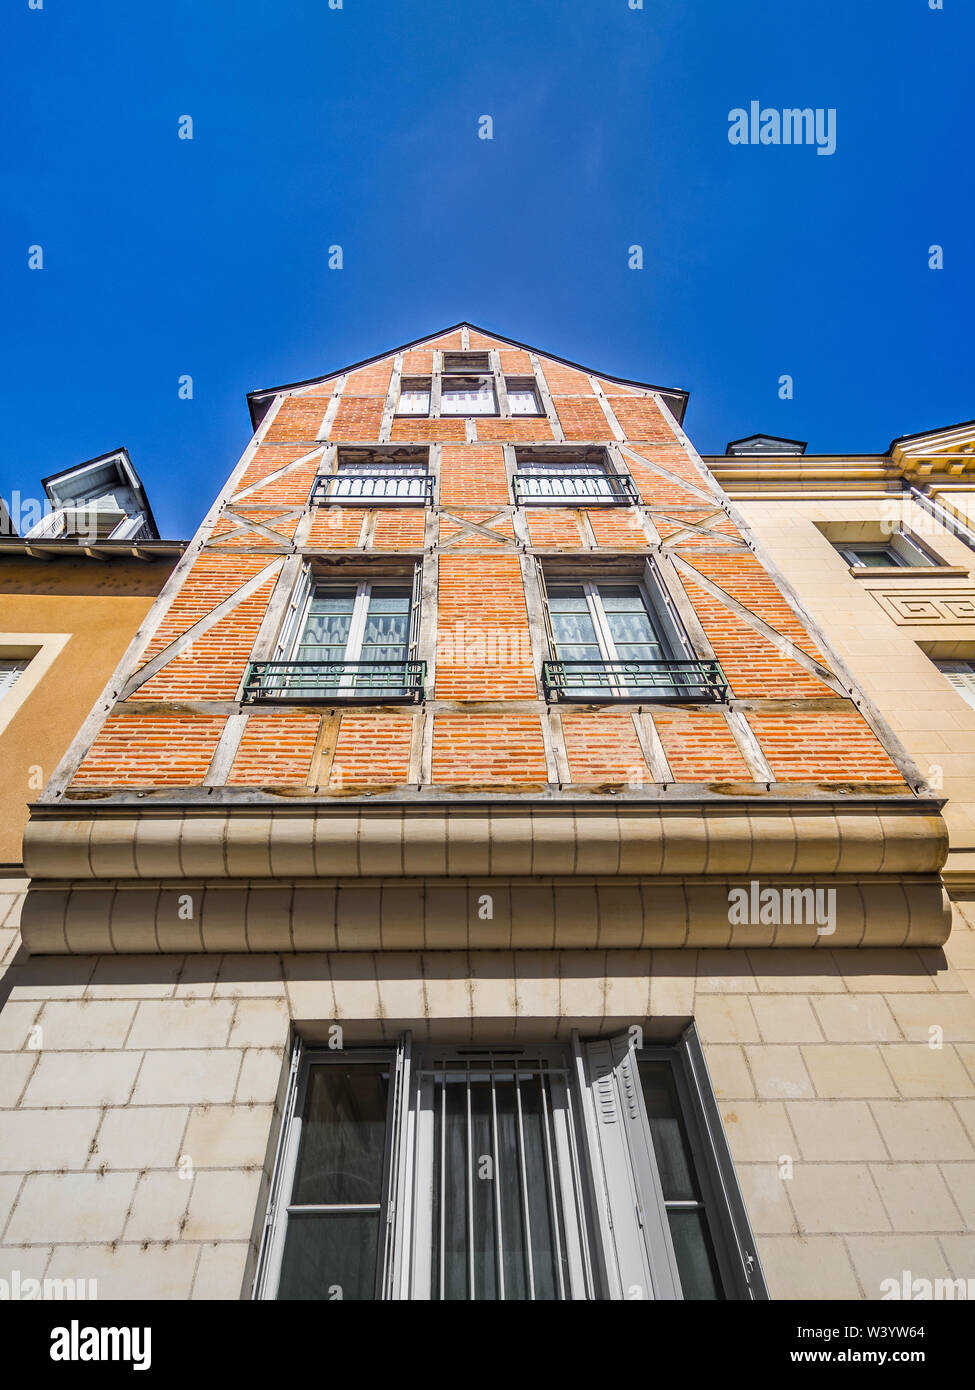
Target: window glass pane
{"points": [[495, 1184], [413, 402], [696, 1264], [572, 626], [387, 626], [343, 1132], [326, 631], [630, 624], [522, 402], [679, 1183], [876, 558], [670, 1145], [330, 1256], [467, 399]]}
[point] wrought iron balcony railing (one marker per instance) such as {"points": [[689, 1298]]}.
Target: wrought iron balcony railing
{"points": [[634, 680], [415, 489], [296, 682], [580, 489]]}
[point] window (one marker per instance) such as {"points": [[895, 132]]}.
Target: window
{"points": [[466, 363], [370, 476], [10, 671], [578, 477], [960, 673], [468, 395], [613, 639], [523, 397], [519, 1173], [414, 397], [900, 552], [345, 641]]}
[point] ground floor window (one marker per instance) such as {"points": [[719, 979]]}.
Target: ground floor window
{"points": [[597, 1169]]}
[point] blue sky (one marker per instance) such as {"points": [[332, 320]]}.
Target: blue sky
{"points": [[359, 127]]}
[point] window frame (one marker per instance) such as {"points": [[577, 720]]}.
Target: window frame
{"points": [[279, 1209], [20, 665], [422, 384], [393, 461], [906, 553], [964, 689], [404, 1263], [261, 684], [483, 381], [565, 461], [520, 384]]}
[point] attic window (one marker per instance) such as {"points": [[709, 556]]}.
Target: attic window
{"points": [[523, 396], [466, 362], [468, 395], [414, 396]]}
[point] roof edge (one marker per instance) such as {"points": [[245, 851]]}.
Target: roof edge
{"points": [[267, 393]]}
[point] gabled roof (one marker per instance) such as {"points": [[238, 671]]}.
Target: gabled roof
{"points": [[259, 401]]}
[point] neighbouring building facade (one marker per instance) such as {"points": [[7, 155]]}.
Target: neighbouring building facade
{"points": [[483, 878], [73, 594]]}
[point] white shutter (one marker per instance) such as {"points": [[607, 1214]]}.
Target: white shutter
{"points": [[416, 606], [10, 671], [399, 1204], [290, 628], [961, 675], [638, 1255], [272, 1241]]}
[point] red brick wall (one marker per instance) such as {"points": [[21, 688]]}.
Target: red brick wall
{"points": [[699, 746], [153, 750], [483, 649], [371, 749], [814, 746], [467, 749], [277, 746], [299, 417], [603, 747], [473, 476], [166, 733]]}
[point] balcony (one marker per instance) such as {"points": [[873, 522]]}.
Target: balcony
{"points": [[367, 489], [695, 681], [577, 489], [305, 682]]}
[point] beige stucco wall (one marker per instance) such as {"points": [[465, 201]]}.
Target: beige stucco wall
{"points": [[878, 638], [96, 609], [819, 1057]]}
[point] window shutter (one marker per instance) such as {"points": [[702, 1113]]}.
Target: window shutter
{"points": [[399, 1218], [546, 615], [961, 675], [274, 1232], [668, 619], [296, 606], [740, 1242], [639, 1260], [416, 607], [9, 673]]}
